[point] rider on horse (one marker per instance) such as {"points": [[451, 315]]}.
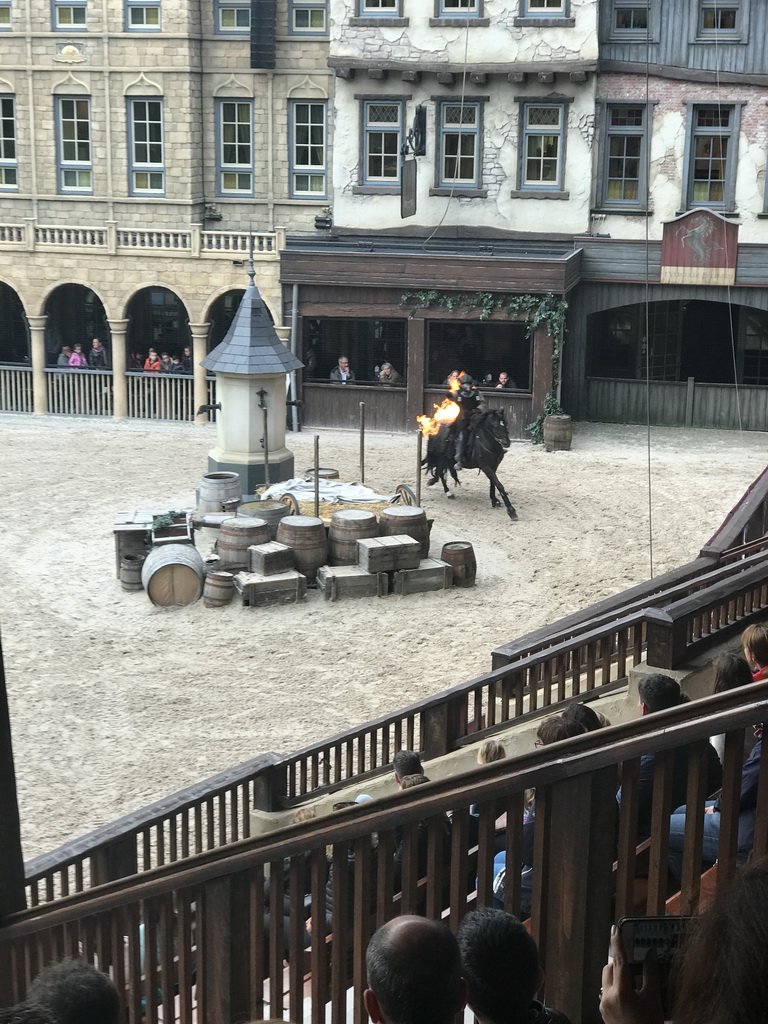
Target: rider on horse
{"points": [[468, 399]]}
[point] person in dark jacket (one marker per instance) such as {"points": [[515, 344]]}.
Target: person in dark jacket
{"points": [[97, 358]]}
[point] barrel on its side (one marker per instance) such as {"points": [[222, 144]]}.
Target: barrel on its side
{"points": [[460, 555], [130, 572], [217, 488], [272, 512], [408, 520], [348, 526], [172, 575], [236, 535], [558, 433], [219, 589], [306, 536]]}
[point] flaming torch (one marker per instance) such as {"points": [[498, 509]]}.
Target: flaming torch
{"points": [[446, 412]]}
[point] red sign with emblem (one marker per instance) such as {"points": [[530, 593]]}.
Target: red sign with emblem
{"points": [[699, 247]]}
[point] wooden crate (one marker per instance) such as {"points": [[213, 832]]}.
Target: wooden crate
{"points": [[337, 581], [388, 554], [270, 559], [431, 574], [132, 534], [259, 591]]}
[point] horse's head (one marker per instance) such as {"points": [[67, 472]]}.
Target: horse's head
{"points": [[498, 427]]}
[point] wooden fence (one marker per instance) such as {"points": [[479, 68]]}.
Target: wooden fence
{"points": [[205, 940], [160, 396], [16, 389], [79, 392]]}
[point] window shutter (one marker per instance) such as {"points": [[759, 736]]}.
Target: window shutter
{"points": [[263, 16]]}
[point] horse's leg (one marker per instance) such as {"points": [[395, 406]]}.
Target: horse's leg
{"points": [[455, 475], [496, 483]]}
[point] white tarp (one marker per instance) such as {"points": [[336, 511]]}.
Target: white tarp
{"points": [[331, 491]]}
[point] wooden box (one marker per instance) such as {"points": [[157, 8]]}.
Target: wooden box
{"points": [[430, 575], [270, 559], [337, 581], [258, 591], [180, 532], [132, 534], [388, 554]]}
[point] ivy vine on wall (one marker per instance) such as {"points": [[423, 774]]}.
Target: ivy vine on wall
{"points": [[547, 309]]}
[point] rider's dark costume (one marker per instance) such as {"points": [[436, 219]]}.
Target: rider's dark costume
{"points": [[468, 399]]}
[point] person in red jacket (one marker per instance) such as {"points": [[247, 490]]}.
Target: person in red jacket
{"points": [[152, 363]]}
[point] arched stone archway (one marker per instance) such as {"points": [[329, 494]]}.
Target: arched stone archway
{"points": [[221, 314], [76, 315], [157, 318], [14, 329]]}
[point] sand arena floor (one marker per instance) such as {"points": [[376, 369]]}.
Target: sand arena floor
{"points": [[115, 703]]}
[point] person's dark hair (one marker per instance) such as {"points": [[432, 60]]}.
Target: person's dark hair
{"points": [[76, 993], [410, 781], [26, 1013], [557, 728], [755, 638], [501, 965], [722, 976], [584, 715], [407, 762], [731, 671], [414, 968], [659, 692]]}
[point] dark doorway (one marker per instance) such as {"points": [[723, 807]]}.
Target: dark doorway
{"points": [[76, 316], [157, 319], [221, 315], [14, 331]]}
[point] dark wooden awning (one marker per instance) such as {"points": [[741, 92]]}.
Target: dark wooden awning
{"points": [[516, 72]]}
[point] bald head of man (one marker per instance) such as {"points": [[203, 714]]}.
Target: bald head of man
{"points": [[414, 973]]}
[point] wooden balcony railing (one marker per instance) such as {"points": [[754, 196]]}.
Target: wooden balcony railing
{"points": [[79, 392], [202, 939], [160, 396], [16, 393]]}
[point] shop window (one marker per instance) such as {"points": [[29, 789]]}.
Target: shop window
{"points": [[482, 350], [367, 343]]}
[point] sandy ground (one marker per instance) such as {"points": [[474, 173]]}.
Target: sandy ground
{"points": [[115, 703]]}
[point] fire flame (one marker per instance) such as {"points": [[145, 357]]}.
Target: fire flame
{"points": [[446, 412]]}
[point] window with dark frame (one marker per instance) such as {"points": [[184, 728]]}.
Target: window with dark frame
{"points": [[710, 155], [382, 136], [624, 156], [480, 349]]}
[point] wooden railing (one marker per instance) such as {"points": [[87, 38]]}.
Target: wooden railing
{"points": [[201, 937], [16, 389], [79, 392], [160, 396]]}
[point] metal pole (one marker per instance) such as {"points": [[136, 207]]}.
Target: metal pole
{"points": [[265, 439], [317, 476], [294, 348], [362, 442], [419, 445]]}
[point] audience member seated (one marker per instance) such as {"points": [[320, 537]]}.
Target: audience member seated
{"points": [[504, 383], [422, 841], [342, 374], [64, 356], [388, 374], [501, 967], [414, 973], [584, 715], [657, 692], [731, 671], [76, 993], [490, 751], [406, 762], [23, 1013], [721, 976]]}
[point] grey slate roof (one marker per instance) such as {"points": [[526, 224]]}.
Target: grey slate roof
{"points": [[251, 344]]}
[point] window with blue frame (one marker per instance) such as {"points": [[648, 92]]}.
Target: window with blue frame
{"points": [[309, 167], [622, 182], [235, 156], [69, 16], [382, 138], [308, 18], [545, 8], [459, 128], [142, 15], [712, 160], [630, 18], [73, 126], [379, 8], [147, 166], [9, 165], [542, 149], [233, 16], [458, 8], [717, 18], [5, 15]]}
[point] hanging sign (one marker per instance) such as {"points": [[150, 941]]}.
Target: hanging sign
{"points": [[699, 247]]}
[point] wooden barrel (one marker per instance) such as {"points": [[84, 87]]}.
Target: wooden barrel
{"points": [[306, 536], [322, 474], [270, 511], [172, 574], [235, 537], [348, 526], [558, 433], [130, 572], [460, 555], [219, 589], [408, 520], [216, 488]]}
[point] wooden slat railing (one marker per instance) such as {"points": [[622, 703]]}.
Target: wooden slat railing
{"points": [[160, 396], [16, 389], [79, 392], [195, 934]]}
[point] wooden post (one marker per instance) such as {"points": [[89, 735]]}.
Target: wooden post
{"points": [[317, 476], [362, 442], [227, 958], [442, 727], [414, 397], [11, 859], [115, 860], [419, 449]]}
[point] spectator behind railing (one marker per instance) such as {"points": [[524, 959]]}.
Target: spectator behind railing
{"points": [[721, 977], [584, 715], [77, 359], [76, 993], [64, 356], [422, 839], [26, 1014], [731, 671], [406, 762], [754, 641], [490, 751], [152, 363], [97, 358], [414, 973], [501, 967]]}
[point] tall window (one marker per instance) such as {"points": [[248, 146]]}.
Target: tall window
{"points": [[235, 147], [5, 15], [716, 17], [233, 16], [9, 168], [308, 17], [542, 146], [74, 129], [380, 8], [147, 171], [308, 150], [624, 155], [142, 15], [630, 18], [459, 145], [70, 15], [711, 156], [382, 139]]}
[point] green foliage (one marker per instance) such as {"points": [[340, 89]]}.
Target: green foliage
{"points": [[167, 519], [536, 309]]}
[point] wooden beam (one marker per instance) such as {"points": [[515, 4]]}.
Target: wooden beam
{"points": [[378, 74], [11, 860], [411, 76], [478, 78], [517, 77], [445, 77], [545, 77], [347, 74]]}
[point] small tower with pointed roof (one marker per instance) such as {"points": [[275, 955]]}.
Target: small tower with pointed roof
{"points": [[250, 366]]}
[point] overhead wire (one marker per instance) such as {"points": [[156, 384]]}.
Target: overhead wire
{"points": [[648, 287]]}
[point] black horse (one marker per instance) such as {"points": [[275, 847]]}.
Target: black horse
{"points": [[487, 441]]}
